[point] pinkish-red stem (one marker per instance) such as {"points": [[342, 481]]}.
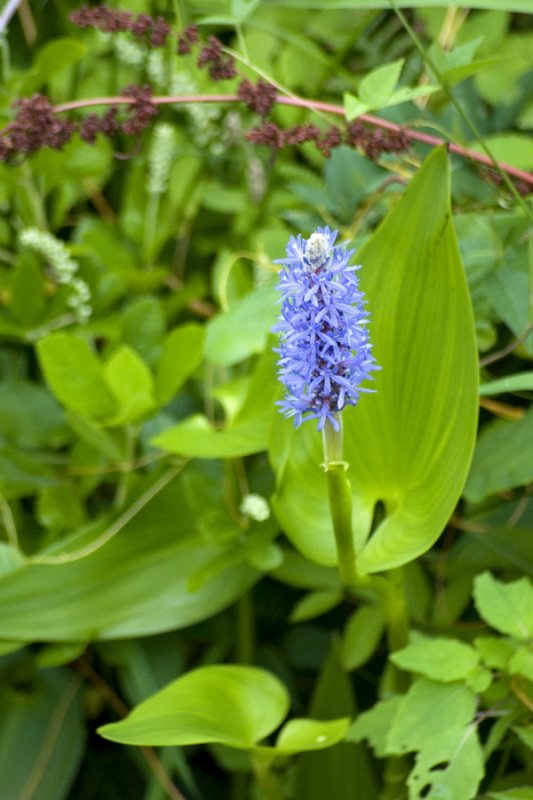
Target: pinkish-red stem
{"points": [[312, 105]]}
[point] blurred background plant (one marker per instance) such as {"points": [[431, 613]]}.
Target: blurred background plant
{"points": [[158, 517]]}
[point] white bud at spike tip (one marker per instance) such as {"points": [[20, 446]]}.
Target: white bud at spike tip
{"points": [[255, 507], [317, 251]]}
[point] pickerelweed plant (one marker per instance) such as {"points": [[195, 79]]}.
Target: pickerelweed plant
{"points": [[325, 354]]}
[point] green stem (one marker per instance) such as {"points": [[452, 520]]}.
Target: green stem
{"points": [[397, 613], [340, 501], [269, 788]]}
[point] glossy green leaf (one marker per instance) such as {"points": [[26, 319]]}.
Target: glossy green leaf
{"points": [[299, 735], [233, 705], [138, 583], [195, 437], [41, 735], [409, 445], [507, 607], [362, 635], [75, 375], [181, 356], [314, 604], [439, 659], [132, 385], [502, 459]]}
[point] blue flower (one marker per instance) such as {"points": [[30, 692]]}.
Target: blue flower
{"points": [[324, 351]]}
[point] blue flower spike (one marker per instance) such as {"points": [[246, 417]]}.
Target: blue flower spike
{"points": [[324, 348], [324, 355]]}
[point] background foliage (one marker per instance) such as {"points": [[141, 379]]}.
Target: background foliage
{"points": [[137, 414]]}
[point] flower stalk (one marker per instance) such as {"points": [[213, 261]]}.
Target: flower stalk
{"points": [[325, 355], [340, 502]]}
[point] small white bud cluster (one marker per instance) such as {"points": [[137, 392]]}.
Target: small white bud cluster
{"points": [[64, 269], [317, 251], [160, 158], [255, 506]]}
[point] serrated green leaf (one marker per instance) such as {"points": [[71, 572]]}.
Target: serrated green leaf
{"points": [[233, 705], [494, 651], [439, 659], [508, 607], [413, 727], [453, 773], [409, 445], [374, 725]]}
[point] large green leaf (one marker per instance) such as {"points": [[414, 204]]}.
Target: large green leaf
{"points": [[409, 446], [232, 705], [139, 582], [226, 704]]}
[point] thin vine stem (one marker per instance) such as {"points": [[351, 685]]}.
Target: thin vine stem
{"points": [[311, 105]]}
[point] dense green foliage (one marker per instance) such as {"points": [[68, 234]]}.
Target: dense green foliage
{"points": [[166, 543]]}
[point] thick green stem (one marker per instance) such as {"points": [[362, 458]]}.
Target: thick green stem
{"points": [[268, 785], [340, 502]]}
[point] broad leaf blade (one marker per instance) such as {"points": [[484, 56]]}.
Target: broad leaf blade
{"points": [[409, 446], [226, 704]]}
